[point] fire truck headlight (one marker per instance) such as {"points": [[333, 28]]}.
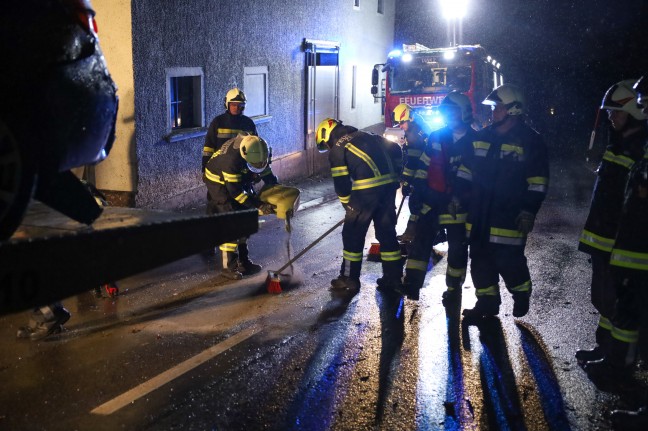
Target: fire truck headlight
{"points": [[407, 57], [449, 55]]}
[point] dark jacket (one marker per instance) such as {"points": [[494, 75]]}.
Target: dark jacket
{"points": [[229, 180], [506, 174], [362, 162], [222, 128], [607, 198], [630, 249]]}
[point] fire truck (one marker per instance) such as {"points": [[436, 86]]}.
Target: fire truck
{"points": [[422, 77]]}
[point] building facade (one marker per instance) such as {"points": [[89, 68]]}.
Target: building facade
{"points": [[173, 60]]}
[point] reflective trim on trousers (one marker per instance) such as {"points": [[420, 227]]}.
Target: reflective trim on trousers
{"points": [[625, 335], [418, 265], [488, 291], [524, 287]]}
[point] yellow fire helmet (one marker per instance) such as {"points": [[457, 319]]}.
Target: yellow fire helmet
{"points": [[254, 151], [234, 95], [402, 112], [324, 133]]}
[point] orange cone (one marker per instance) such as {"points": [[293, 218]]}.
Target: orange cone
{"points": [[374, 252], [273, 283]]}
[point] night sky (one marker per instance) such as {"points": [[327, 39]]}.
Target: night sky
{"points": [[564, 54]]}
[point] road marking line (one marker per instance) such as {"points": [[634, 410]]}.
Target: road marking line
{"points": [[171, 374]]}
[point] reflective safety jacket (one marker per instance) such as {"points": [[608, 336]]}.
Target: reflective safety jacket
{"points": [[222, 128], [415, 142], [228, 178], [607, 198], [363, 162], [505, 174], [630, 248], [437, 170]]}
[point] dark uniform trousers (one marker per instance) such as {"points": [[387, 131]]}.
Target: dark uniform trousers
{"points": [[457, 259], [418, 257], [232, 252], [490, 260], [365, 206]]}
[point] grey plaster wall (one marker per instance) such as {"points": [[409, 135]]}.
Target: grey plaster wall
{"points": [[224, 36]]}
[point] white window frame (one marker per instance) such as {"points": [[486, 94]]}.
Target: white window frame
{"points": [[198, 103], [252, 94]]}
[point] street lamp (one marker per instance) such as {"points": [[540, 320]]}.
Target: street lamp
{"points": [[454, 11]]}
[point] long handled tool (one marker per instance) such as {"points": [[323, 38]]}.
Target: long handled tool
{"points": [[374, 250], [273, 282]]}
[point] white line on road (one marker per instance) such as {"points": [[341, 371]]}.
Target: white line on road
{"points": [[171, 374]]}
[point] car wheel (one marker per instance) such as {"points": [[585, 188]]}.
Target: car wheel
{"points": [[17, 179]]}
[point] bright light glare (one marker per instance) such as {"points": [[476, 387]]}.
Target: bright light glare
{"points": [[454, 9], [407, 57], [449, 55], [394, 53]]}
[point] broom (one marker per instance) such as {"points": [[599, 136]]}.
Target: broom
{"points": [[273, 282], [374, 249]]}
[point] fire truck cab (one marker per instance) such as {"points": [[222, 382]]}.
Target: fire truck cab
{"points": [[422, 77]]}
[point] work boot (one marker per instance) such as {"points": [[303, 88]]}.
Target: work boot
{"points": [[487, 306], [628, 420], [609, 376], [247, 267], [521, 303], [451, 296], [409, 290], [584, 356], [43, 324], [388, 284], [344, 283], [231, 274]]}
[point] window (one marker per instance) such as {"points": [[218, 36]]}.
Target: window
{"points": [[356, 4], [381, 7], [185, 98], [255, 86]]}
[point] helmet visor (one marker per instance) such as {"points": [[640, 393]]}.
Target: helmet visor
{"points": [[257, 168]]}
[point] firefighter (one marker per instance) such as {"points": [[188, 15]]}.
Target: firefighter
{"points": [[365, 170], [230, 176], [507, 175], [227, 125], [433, 186], [416, 133], [625, 147], [629, 271]]}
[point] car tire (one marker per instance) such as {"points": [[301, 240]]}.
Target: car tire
{"points": [[17, 180]]}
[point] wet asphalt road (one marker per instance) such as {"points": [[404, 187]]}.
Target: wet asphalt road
{"points": [[180, 349]]}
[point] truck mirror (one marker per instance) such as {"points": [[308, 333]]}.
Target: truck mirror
{"points": [[374, 89], [374, 78]]}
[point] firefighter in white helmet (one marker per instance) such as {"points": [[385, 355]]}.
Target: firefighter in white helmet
{"points": [[230, 175], [228, 124], [507, 174], [433, 187], [365, 170], [626, 141], [625, 148], [416, 133], [629, 267]]}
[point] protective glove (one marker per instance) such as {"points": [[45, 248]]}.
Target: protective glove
{"points": [[453, 207], [407, 189], [266, 208], [525, 221]]}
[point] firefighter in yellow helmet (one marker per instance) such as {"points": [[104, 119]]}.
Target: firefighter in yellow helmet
{"points": [[416, 134], [365, 170], [230, 175], [228, 124]]}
